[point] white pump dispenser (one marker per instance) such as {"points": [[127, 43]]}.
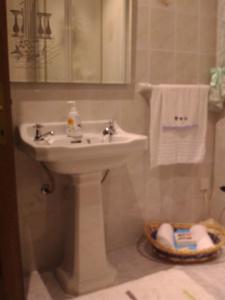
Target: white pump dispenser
{"points": [[74, 129]]}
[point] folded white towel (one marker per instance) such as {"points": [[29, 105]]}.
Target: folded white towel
{"points": [[198, 231], [201, 236], [169, 146], [165, 235], [205, 243]]}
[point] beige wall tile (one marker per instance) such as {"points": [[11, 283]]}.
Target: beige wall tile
{"points": [[142, 27], [161, 4], [142, 66], [143, 3], [103, 110], [162, 28], [188, 6], [208, 7], [205, 63], [162, 67], [207, 34], [217, 203], [187, 38], [186, 68], [134, 115]]}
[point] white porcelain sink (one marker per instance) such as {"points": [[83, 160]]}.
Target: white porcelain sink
{"points": [[95, 152], [85, 266]]}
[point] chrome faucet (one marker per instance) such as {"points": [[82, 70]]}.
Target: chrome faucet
{"points": [[110, 129], [40, 136]]}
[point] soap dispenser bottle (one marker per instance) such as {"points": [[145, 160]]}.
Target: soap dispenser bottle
{"points": [[74, 129]]}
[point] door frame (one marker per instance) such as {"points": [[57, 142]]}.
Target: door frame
{"points": [[12, 286]]}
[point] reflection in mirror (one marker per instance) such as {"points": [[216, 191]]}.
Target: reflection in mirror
{"points": [[83, 41]]}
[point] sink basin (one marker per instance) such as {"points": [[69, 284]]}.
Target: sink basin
{"points": [[85, 266], [95, 152]]}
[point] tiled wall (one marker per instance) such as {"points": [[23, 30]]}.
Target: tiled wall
{"points": [[217, 206], [218, 197], [178, 41], [220, 57], [174, 44]]}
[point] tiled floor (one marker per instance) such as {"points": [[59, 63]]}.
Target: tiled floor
{"points": [[131, 264]]}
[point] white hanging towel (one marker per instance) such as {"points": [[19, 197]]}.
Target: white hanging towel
{"points": [[178, 124]]}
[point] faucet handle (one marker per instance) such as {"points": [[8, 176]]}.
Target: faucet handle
{"points": [[112, 126], [37, 128]]}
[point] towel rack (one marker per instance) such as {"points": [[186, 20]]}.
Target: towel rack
{"points": [[145, 88]]}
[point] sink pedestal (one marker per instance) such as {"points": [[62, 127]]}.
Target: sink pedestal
{"points": [[85, 266]]}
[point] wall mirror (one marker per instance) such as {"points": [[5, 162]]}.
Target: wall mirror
{"points": [[79, 41]]}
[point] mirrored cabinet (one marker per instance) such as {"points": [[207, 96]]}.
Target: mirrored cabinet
{"points": [[81, 41]]}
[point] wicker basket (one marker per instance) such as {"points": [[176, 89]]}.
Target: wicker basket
{"points": [[216, 233]]}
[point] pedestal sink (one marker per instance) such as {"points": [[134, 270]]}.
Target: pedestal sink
{"points": [[85, 266]]}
